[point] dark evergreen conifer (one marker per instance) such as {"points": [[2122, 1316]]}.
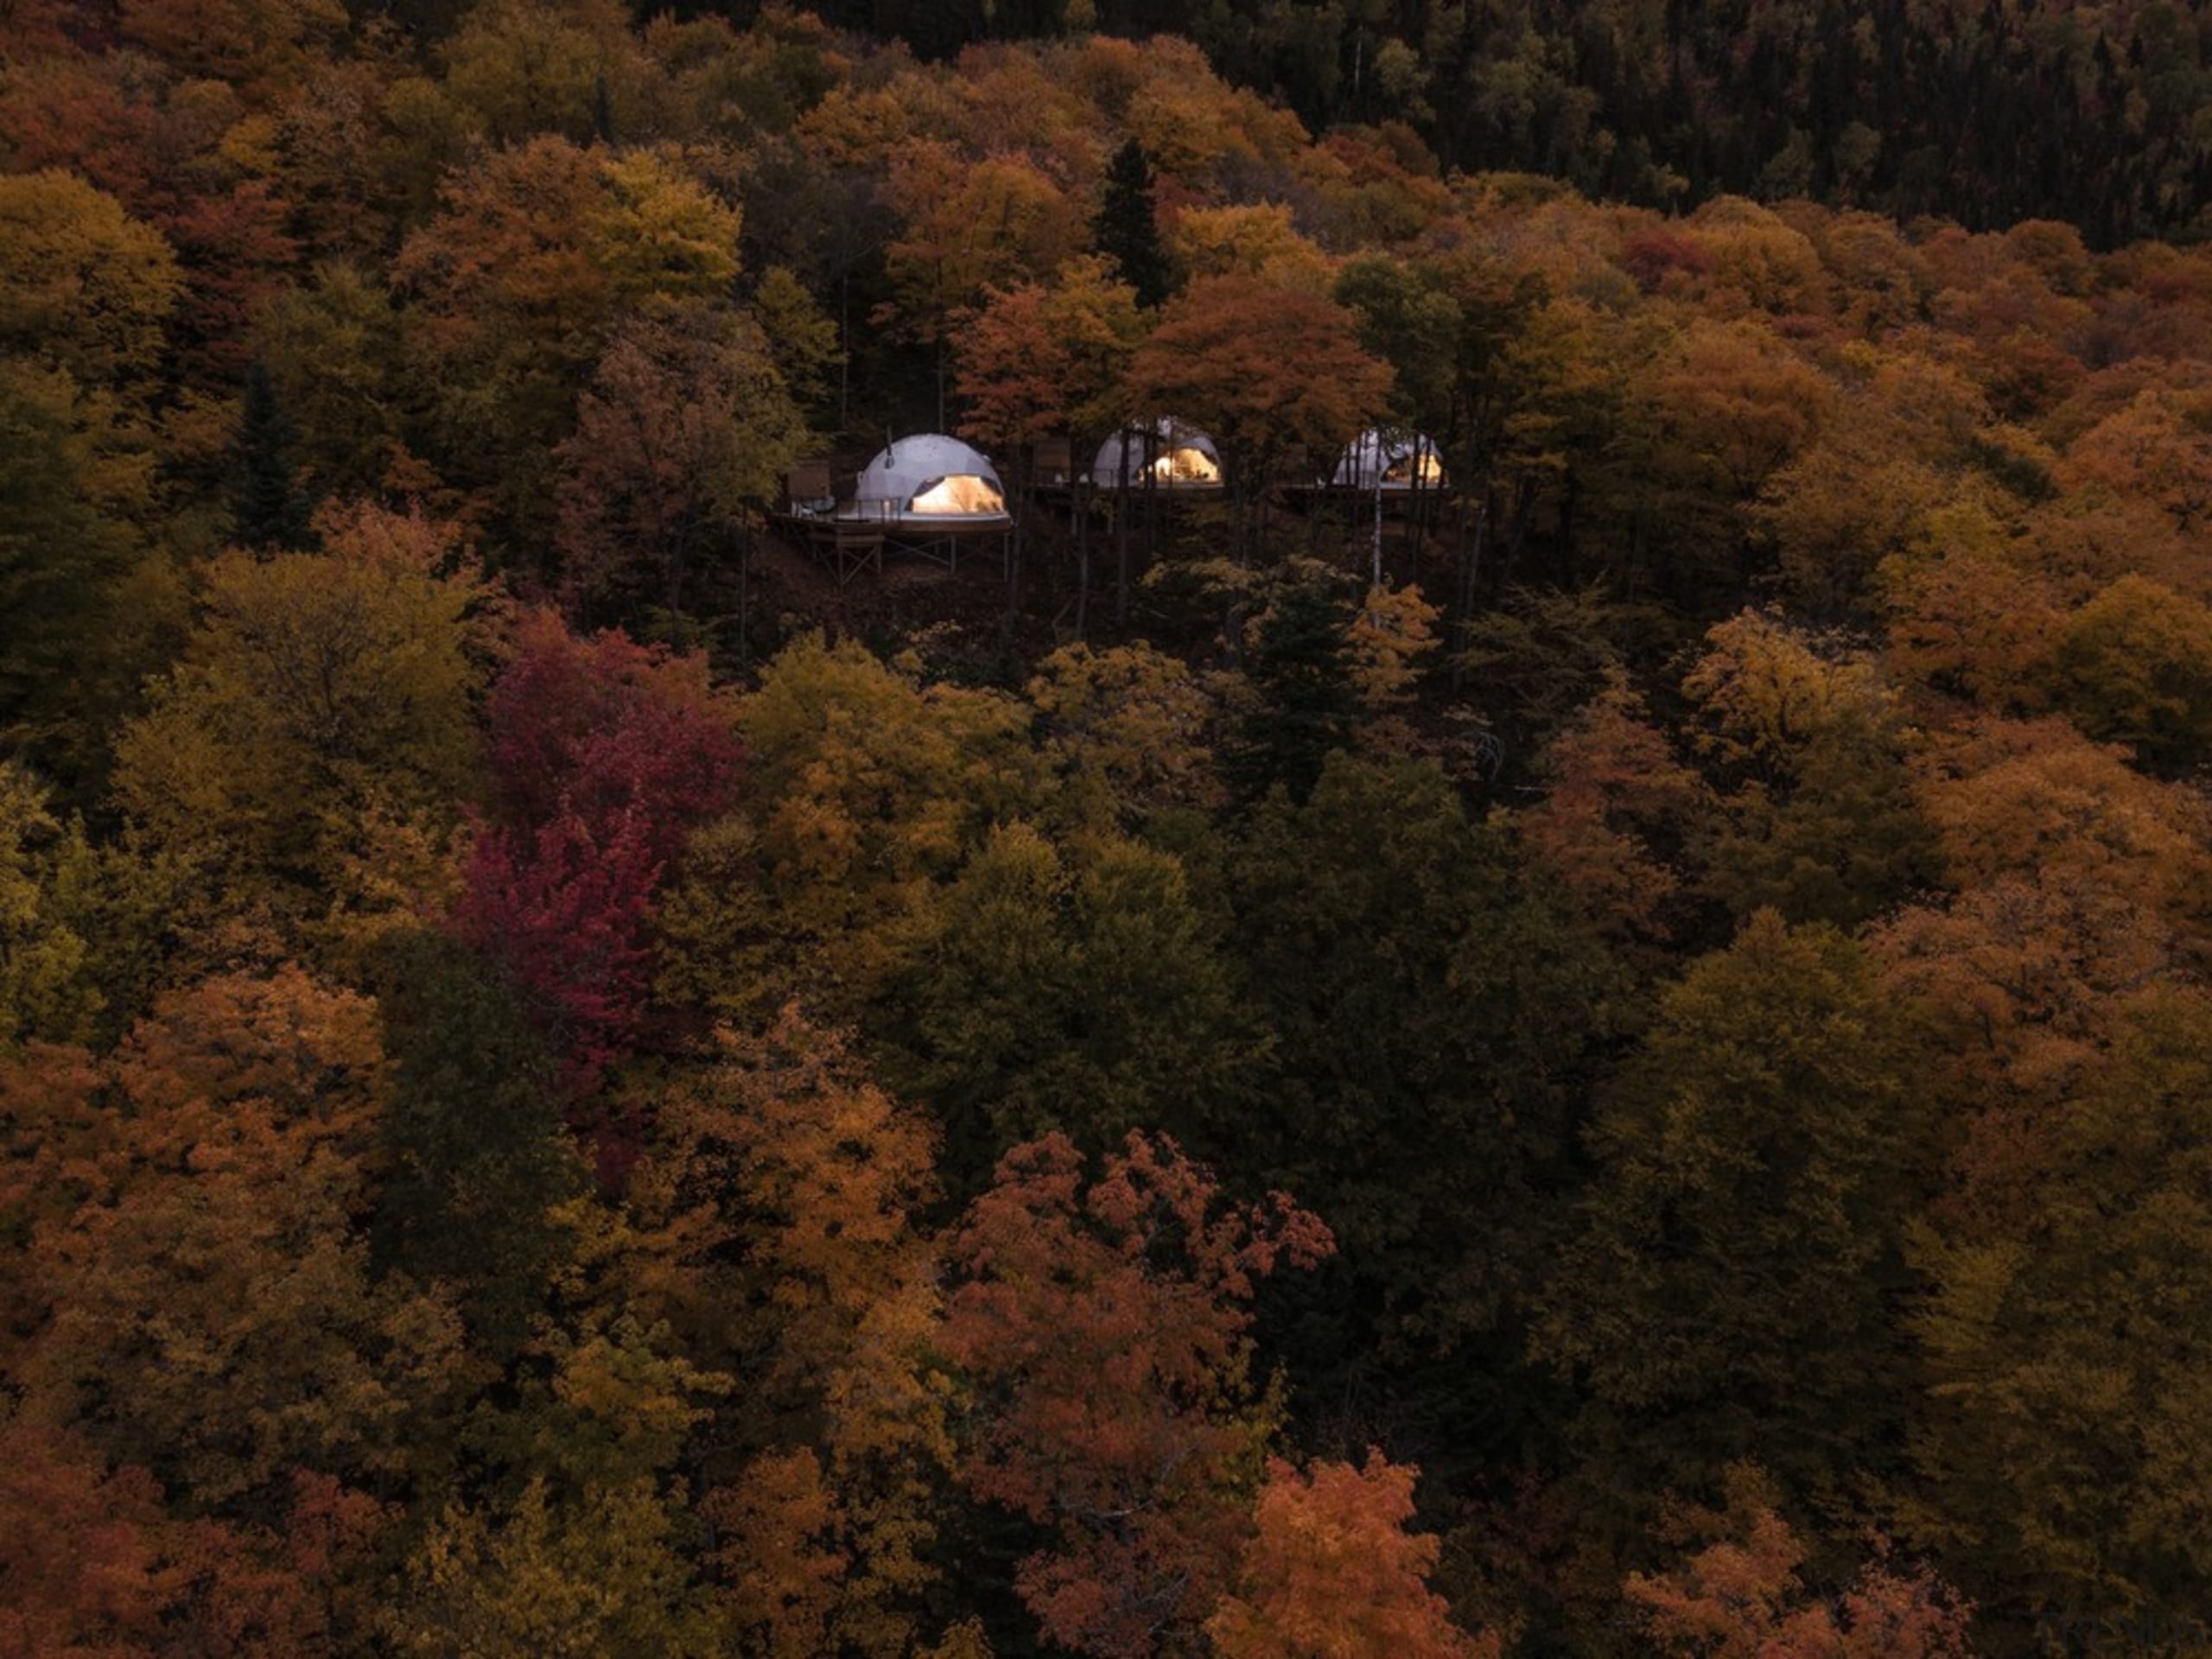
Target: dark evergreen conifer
{"points": [[1306, 702], [1126, 227], [270, 509]]}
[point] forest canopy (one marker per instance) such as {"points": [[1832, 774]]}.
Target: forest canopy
{"points": [[1559, 1006], [1984, 112]]}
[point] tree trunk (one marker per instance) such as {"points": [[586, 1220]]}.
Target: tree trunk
{"points": [[744, 594], [1524, 506], [1122, 536], [1151, 498], [1375, 580], [1013, 549], [1566, 535], [1081, 514], [1470, 559], [1233, 476], [939, 331]]}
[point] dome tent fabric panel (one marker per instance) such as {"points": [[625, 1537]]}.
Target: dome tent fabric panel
{"points": [[1389, 461], [1183, 458], [930, 479]]}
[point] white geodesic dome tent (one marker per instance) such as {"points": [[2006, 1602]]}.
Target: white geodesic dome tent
{"points": [[929, 480], [1183, 458], [1390, 461]]}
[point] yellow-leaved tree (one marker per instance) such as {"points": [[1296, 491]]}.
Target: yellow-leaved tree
{"points": [[780, 1209], [308, 753]]}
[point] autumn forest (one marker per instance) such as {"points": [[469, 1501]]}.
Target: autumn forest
{"points": [[1549, 995]]}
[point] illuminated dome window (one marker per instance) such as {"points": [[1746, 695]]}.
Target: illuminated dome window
{"points": [[1390, 462], [1182, 458], [1186, 466], [1405, 470], [963, 493]]}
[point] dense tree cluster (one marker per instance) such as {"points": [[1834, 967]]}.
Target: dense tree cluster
{"points": [[1985, 111], [1615, 1062]]}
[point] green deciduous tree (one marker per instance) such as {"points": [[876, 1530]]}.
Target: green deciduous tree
{"points": [[1821, 821], [87, 288], [318, 693], [1073, 989], [475, 1156], [68, 547], [868, 786], [2134, 666], [1737, 1284], [2066, 1334], [540, 1575], [681, 435], [1436, 1012], [213, 1314], [46, 987]]}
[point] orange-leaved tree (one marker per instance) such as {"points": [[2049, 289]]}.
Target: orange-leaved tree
{"points": [[210, 1310], [1263, 370], [1040, 359], [1103, 1327], [1333, 1573], [1742, 1597]]}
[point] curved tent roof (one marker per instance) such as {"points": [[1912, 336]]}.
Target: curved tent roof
{"points": [[930, 479], [1183, 458], [1395, 461]]}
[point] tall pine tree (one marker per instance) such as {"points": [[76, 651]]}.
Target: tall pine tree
{"points": [[1127, 226], [270, 509], [1301, 672]]}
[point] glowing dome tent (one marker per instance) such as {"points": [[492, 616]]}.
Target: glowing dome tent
{"points": [[1183, 458], [1390, 461], [929, 480]]}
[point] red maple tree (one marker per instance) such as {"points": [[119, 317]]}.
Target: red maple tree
{"points": [[604, 755]]}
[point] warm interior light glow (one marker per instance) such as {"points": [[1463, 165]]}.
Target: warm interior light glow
{"points": [[1423, 463], [1185, 466], [962, 493]]}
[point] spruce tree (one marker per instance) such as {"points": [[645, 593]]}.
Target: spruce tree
{"points": [[270, 509], [1306, 699], [1127, 229]]}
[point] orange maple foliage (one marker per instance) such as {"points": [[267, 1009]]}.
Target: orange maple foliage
{"points": [[1038, 359], [1742, 1598], [93, 1566], [212, 1316], [1614, 779], [782, 1568], [1103, 1328], [781, 1204], [1332, 1572], [1261, 369]]}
